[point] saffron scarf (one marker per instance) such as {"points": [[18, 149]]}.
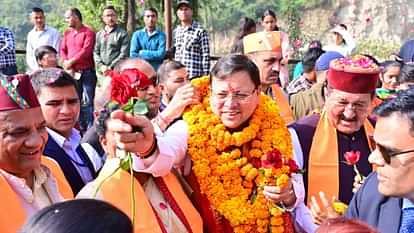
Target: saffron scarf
{"points": [[323, 168]]}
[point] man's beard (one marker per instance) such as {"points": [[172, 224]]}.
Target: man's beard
{"points": [[152, 112]]}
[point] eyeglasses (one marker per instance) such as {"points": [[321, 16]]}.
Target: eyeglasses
{"points": [[240, 97], [358, 106], [387, 154]]}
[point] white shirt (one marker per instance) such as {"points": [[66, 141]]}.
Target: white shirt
{"points": [[35, 39], [302, 212], [69, 145], [45, 190]]}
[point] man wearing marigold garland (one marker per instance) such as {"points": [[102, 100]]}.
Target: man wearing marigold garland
{"points": [[240, 151], [324, 141], [265, 49]]}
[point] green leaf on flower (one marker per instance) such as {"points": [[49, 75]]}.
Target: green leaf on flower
{"points": [[129, 107], [140, 107], [253, 196]]}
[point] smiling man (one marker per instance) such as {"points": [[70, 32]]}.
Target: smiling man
{"points": [[28, 182], [386, 200], [59, 100], [321, 140], [231, 106]]}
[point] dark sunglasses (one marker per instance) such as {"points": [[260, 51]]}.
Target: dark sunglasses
{"points": [[387, 154]]}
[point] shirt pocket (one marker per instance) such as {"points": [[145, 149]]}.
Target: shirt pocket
{"points": [[192, 42]]}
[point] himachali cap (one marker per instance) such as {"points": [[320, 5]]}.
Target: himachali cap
{"points": [[262, 41], [16, 92], [353, 75]]}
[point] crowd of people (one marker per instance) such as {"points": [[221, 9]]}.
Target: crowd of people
{"points": [[105, 133]]}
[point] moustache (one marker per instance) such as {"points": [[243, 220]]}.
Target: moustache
{"points": [[273, 73], [344, 118]]}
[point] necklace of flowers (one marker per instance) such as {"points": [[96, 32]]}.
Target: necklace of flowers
{"points": [[232, 180]]}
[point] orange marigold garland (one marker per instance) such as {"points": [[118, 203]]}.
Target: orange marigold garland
{"points": [[232, 180]]}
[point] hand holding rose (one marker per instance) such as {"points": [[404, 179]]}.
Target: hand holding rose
{"points": [[122, 124]]}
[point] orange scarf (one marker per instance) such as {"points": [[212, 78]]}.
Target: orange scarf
{"points": [[14, 215], [116, 190], [283, 103], [323, 171]]}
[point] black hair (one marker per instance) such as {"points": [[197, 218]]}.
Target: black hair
{"points": [[76, 12], [386, 65], [269, 12], [309, 59], [103, 117], [152, 9], [52, 77], [406, 73], [245, 25], [233, 63], [79, 216], [38, 10], [403, 103], [315, 44], [109, 7], [41, 51], [166, 67], [343, 26]]}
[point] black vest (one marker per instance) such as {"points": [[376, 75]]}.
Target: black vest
{"points": [[305, 129], [54, 151]]}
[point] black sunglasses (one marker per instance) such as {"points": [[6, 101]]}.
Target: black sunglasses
{"points": [[387, 154]]}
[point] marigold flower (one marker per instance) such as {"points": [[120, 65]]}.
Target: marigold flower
{"points": [[226, 176]]}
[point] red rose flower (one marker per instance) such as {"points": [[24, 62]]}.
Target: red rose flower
{"points": [[273, 159], [293, 166], [124, 85], [256, 162], [352, 157]]}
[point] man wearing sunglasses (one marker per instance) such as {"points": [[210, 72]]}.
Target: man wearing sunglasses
{"points": [[385, 201]]}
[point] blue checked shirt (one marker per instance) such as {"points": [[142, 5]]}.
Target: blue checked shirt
{"points": [[7, 48], [192, 49]]}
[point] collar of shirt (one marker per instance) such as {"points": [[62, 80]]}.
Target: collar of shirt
{"points": [[109, 32], [73, 140], [407, 204], [150, 34], [21, 188], [44, 29], [194, 25], [81, 29]]}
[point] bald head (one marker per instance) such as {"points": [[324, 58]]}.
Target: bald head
{"points": [[137, 63], [103, 93]]}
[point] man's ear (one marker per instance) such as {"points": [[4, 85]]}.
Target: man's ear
{"points": [[103, 141], [162, 87]]}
